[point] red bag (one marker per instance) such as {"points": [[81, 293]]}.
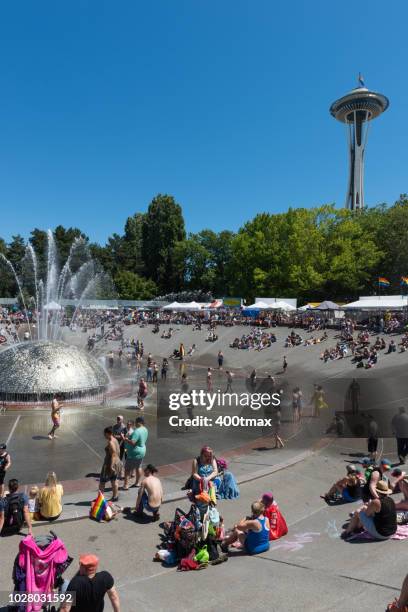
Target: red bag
{"points": [[277, 523]]}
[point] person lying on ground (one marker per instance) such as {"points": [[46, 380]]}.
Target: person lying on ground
{"points": [[378, 517], [252, 532]]}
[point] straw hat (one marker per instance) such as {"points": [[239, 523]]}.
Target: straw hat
{"points": [[382, 488]]}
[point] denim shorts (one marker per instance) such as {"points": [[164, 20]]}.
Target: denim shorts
{"points": [[368, 524]]}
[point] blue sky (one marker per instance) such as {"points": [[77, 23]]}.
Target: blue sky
{"points": [[221, 103]]}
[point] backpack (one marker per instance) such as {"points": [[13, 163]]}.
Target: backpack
{"points": [[14, 514]]}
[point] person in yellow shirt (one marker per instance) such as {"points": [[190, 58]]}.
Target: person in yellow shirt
{"points": [[50, 498]]}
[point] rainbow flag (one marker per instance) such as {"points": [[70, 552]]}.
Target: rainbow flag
{"points": [[99, 507], [383, 282], [404, 280]]}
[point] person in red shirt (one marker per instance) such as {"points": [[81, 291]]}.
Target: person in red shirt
{"points": [[277, 523]]}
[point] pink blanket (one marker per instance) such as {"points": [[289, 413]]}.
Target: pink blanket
{"points": [[400, 534]]}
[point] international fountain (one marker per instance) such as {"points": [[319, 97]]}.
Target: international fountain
{"points": [[40, 365]]}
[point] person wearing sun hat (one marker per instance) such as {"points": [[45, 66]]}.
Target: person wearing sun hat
{"points": [[378, 473], [90, 588], [378, 517]]}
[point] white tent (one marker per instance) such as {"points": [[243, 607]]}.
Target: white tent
{"points": [[183, 306], [52, 306], [172, 306], [379, 302], [191, 306], [258, 306], [282, 306], [306, 307]]}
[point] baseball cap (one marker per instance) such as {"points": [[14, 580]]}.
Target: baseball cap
{"points": [[267, 497], [386, 463], [351, 468], [396, 472], [89, 561]]}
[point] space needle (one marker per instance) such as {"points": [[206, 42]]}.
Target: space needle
{"points": [[356, 109]]}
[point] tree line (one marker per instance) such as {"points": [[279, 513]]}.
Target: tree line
{"points": [[308, 253]]}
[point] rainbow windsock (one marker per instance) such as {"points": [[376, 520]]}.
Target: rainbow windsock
{"points": [[383, 282], [404, 280], [98, 508]]}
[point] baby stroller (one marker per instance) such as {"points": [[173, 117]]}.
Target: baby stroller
{"points": [[38, 569]]}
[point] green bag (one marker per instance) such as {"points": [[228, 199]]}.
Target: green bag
{"points": [[202, 556]]}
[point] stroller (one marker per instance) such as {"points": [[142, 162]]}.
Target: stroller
{"points": [[38, 568]]}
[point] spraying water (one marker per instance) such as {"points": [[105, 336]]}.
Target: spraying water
{"points": [[50, 286]]}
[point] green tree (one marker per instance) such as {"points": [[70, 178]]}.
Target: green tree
{"points": [[130, 286], [132, 244], [163, 228]]}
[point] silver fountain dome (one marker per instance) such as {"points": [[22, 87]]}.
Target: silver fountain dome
{"points": [[37, 371]]}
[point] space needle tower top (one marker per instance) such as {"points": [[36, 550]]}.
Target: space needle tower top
{"points": [[356, 109]]}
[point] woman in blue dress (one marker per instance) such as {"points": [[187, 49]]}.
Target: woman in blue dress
{"points": [[204, 470]]}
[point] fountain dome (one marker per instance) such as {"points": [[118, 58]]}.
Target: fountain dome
{"points": [[37, 371]]}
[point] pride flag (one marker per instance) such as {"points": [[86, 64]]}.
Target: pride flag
{"points": [[383, 282], [404, 280], [99, 507]]}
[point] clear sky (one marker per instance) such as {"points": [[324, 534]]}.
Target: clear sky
{"points": [[221, 103]]}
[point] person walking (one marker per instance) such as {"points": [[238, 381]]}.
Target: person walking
{"points": [[55, 417], [90, 588], [209, 380], [220, 359], [229, 381], [400, 428], [284, 364]]}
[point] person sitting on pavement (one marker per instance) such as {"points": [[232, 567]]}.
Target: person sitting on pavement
{"points": [[50, 498], [252, 532], [347, 489], [14, 511], [277, 523], [150, 496], [378, 517], [90, 587], [204, 468], [378, 473]]}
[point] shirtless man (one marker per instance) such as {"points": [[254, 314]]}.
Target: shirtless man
{"points": [[55, 417], [150, 496]]}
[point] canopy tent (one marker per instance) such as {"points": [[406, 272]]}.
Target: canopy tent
{"points": [[172, 306], [328, 305], [183, 306], [379, 302], [53, 306], [258, 306], [281, 306], [306, 307]]}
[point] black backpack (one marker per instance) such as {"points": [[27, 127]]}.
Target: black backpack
{"points": [[14, 514]]}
